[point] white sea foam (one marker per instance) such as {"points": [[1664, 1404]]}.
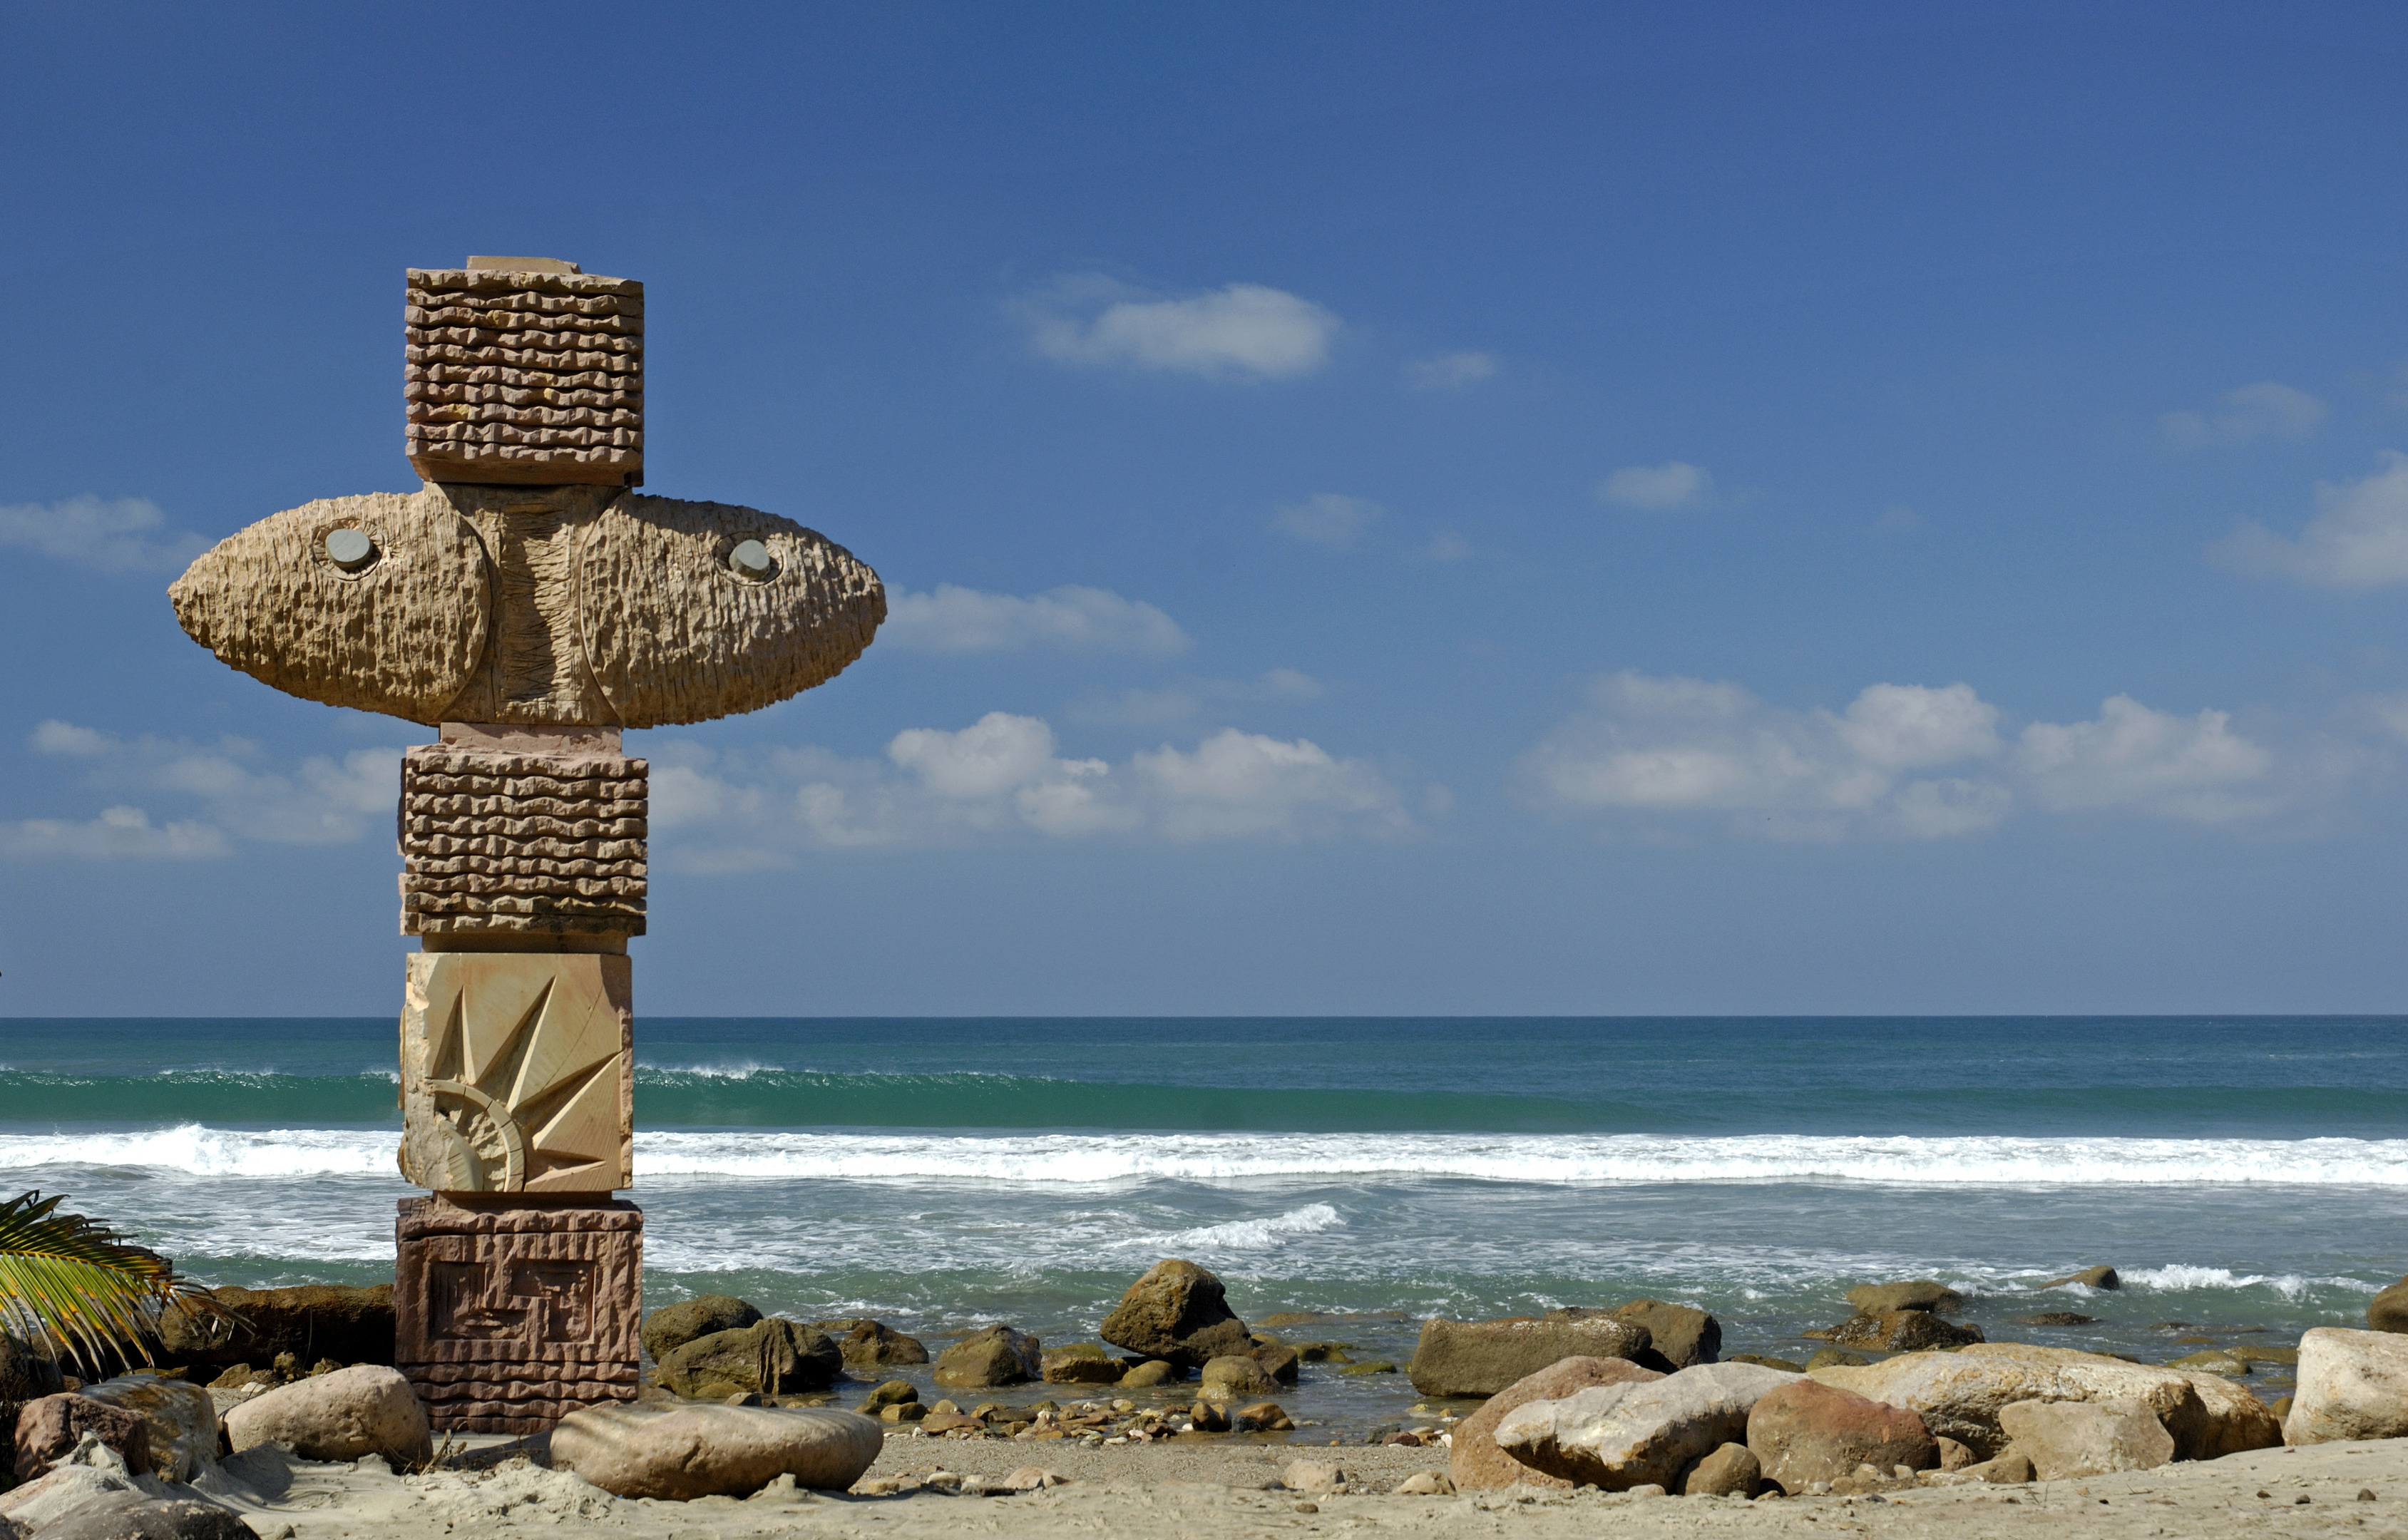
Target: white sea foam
{"points": [[1213, 1158], [1243, 1234], [2180, 1277]]}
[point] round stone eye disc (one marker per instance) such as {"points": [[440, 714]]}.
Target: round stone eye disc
{"points": [[349, 548], [750, 559]]}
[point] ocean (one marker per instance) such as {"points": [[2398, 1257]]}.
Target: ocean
{"points": [[2248, 1175]]}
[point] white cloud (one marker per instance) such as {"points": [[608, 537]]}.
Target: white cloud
{"points": [[1674, 484], [1328, 519], [118, 832], [1450, 371], [1005, 777], [2358, 538], [1065, 619], [2267, 410], [321, 801], [112, 535], [2139, 760], [1240, 330], [1688, 747]]}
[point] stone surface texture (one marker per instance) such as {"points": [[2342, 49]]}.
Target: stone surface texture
{"points": [[1959, 1394], [525, 376], [1621, 1436], [774, 1356], [2387, 1311], [1474, 1460], [182, 1418], [1177, 1312], [672, 1326], [1899, 1332], [1684, 1335], [342, 1415], [1807, 1432], [1731, 1471], [508, 1318], [1480, 1358], [2065, 1439], [517, 1072], [547, 844], [49, 1428], [311, 1321], [1874, 1299], [681, 1451], [2352, 1385], [997, 1355]]}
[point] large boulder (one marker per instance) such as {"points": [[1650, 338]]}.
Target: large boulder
{"points": [[1620, 1437], [773, 1357], [1684, 1335], [680, 1451], [50, 1427], [672, 1326], [1899, 1332], [997, 1355], [1177, 1312], [1480, 1358], [1875, 1299], [874, 1344], [182, 1418], [1475, 1461], [2065, 1439], [362, 1410], [313, 1321], [1959, 1394], [1806, 1430], [2388, 1310], [2352, 1385]]}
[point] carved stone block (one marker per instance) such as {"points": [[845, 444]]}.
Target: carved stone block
{"points": [[517, 1073], [507, 1319], [547, 844], [525, 376]]}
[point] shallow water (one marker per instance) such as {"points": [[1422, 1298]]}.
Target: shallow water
{"points": [[2247, 1175]]}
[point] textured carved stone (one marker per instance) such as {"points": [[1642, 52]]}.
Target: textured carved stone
{"points": [[402, 635], [544, 844], [525, 376], [563, 606], [517, 1073], [507, 1318]]}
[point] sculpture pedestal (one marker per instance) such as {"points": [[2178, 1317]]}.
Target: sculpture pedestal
{"points": [[512, 1312]]}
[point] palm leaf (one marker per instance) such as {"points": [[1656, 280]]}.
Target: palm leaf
{"points": [[86, 1290]]}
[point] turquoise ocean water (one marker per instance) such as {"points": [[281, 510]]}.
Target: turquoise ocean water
{"points": [[2248, 1175]]}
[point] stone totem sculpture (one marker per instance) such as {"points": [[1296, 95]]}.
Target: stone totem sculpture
{"points": [[529, 604]]}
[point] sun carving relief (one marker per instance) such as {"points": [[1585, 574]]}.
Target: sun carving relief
{"points": [[516, 1075]]}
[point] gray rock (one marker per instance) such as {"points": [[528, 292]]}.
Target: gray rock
{"points": [[171, 1518], [683, 1452], [1874, 1299], [2352, 1385], [362, 1410], [1475, 1461], [1684, 1335], [183, 1420], [1731, 1471], [1620, 1437], [1480, 1358], [2388, 1310], [2065, 1439], [2011, 1469], [1178, 1312], [1311, 1476], [90, 1476], [672, 1326], [773, 1357], [995, 1356]]}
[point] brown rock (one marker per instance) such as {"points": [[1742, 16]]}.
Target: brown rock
{"points": [[2068, 1439], [1179, 1312], [2388, 1310], [872, 1344], [1480, 1358], [1874, 1299], [1279, 1361], [1082, 1363], [1730, 1471], [312, 1321], [1476, 1461], [1900, 1332], [2089, 1277], [1153, 1371], [770, 1357], [50, 1427], [1234, 1375], [672, 1326], [1808, 1432], [681, 1450], [995, 1356], [1680, 1335], [1263, 1417]]}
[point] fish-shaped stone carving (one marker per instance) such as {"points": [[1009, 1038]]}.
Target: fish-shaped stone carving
{"points": [[561, 606]]}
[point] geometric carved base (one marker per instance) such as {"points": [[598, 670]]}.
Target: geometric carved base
{"points": [[509, 1314]]}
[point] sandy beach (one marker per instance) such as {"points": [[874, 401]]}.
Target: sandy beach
{"points": [[1210, 1490]]}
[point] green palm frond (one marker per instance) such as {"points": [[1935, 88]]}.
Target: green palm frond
{"points": [[91, 1294]]}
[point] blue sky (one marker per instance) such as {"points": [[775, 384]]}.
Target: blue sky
{"points": [[1388, 508]]}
